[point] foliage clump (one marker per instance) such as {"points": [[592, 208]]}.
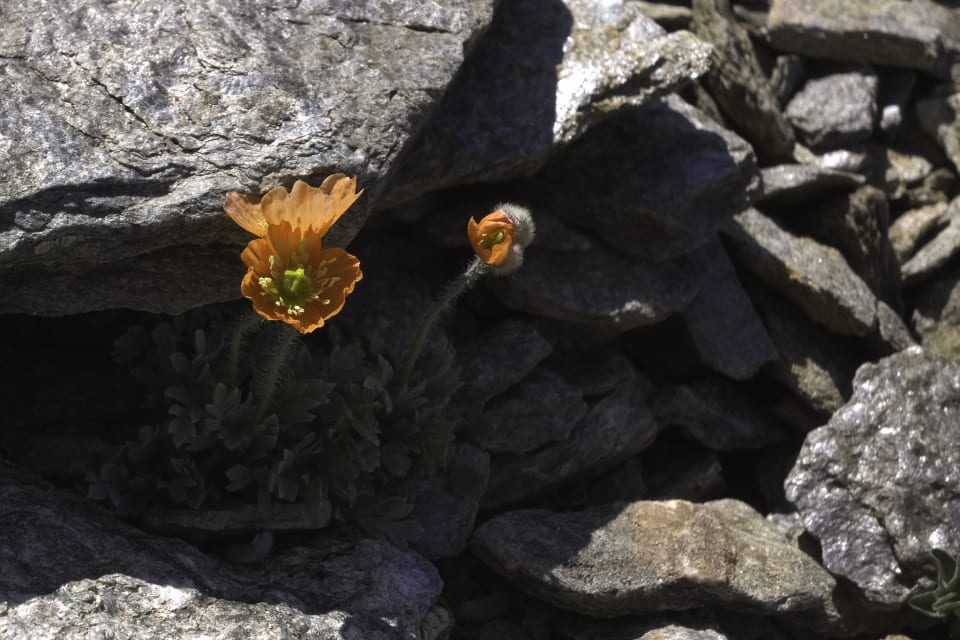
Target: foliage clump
{"points": [[250, 415], [943, 601]]}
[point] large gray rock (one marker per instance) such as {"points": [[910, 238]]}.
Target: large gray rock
{"points": [[654, 182], [878, 485], [919, 34], [68, 564], [125, 124], [738, 83], [544, 72], [836, 109], [643, 557], [814, 276]]}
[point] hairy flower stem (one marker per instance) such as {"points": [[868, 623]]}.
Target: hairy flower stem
{"points": [[475, 270], [241, 327], [274, 368]]}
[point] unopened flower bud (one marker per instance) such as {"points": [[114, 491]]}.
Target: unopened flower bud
{"points": [[501, 236]]}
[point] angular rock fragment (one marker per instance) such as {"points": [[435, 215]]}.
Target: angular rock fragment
{"points": [[788, 75], [715, 414], [541, 410], [485, 371], [940, 117], [642, 557], [542, 75], [737, 82], [119, 149], [445, 505], [936, 317], [836, 109], [617, 426], [920, 34], [893, 334], [720, 310], [858, 225], [938, 251], [813, 364], [814, 276], [654, 182], [669, 16], [878, 485]]}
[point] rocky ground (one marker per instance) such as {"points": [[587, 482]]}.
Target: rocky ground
{"points": [[722, 395]]}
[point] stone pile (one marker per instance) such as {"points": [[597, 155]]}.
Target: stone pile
{"points": [[718, 400]]}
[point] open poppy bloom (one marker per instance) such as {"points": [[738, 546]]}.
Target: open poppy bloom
{"points": [[290, 276], [492, 237]]}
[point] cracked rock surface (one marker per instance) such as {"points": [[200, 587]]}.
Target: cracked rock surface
{"points": [[124, 124]]}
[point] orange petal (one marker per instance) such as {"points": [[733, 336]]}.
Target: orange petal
{"points": [[305, 206], [497, 221], [245, 211], [346, 268]]}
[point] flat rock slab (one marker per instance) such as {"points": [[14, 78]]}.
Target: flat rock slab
{"points": [[124, 125], [542, 74], [655, 182], [878, 484], [797, 184], [644, 557], [814, 276], [601, 287], [61, 553], [919, 34]]}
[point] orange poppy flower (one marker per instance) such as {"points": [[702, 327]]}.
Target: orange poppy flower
{"points": [[492, 237], [290, 276]]}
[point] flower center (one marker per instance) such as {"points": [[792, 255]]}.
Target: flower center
{"points": [[487, 240], [292, 289]]}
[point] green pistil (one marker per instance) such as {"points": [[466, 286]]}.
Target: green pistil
{"points": [[297, 287], [490, 239], [293, 292]]}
